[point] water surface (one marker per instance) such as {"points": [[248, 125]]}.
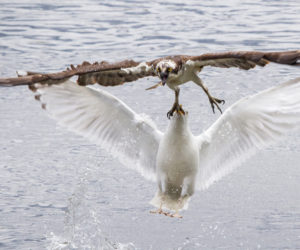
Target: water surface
{"points": [[58, 190]]}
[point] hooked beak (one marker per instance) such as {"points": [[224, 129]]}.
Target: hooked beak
{"points": [[164, 77]]}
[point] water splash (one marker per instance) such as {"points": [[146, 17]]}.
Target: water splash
{"points": [[83, 227]]}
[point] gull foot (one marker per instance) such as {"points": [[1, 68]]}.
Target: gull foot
{"points": [[158, 211], [176, 107], [176, 215], [214, 101]]}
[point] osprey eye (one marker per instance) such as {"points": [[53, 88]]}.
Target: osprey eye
{"points": [[158, 70], [169, 69]]}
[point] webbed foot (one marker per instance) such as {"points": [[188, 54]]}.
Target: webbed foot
{"points": [[158, 211], [176, 215]]}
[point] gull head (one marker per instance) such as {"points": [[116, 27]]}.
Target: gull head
{"points": [[179, 121], [166, 69], [182, 115]]}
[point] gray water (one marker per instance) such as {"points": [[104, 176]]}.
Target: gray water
{"points": [[59, 191]]}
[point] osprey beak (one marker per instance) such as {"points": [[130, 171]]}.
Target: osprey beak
{"points": [[164, 77]]}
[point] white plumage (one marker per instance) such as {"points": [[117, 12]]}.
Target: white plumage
{"points": [[179, 161], [177, 165]]}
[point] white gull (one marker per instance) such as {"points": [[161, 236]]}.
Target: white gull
{"points": [[177, 160]]}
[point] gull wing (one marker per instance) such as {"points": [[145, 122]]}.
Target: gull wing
{"points": [[244, 59], [105, 120], [245, 127], [103, 73]]}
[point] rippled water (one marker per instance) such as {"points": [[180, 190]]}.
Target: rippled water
{"points": [[58, 191]]}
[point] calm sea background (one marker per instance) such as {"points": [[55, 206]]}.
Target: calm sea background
{"points": [[59, 191]]}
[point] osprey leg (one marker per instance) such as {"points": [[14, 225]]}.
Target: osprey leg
{"points": [[176, 107], [213, 101]]}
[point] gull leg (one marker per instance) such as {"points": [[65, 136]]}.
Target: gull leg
{"points": [[176, 214], [176, 107], [213, 101], [158, 211]]}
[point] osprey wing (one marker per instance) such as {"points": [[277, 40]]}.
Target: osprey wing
{"points": [[104, 73], [244, 59]]}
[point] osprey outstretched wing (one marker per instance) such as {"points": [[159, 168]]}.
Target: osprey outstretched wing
{"points": [[172, 70], [245, 59], [103, 73]]}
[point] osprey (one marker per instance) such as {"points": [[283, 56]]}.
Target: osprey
{"points": [[172, 71]]}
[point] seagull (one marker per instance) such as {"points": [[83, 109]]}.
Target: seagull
{"points": [[178, 161], [172, 71]]}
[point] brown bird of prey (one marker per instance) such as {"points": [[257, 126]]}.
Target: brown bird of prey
{"points": [[172, 71]]}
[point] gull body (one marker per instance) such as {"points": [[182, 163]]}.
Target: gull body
{"points": [[177, 165]]}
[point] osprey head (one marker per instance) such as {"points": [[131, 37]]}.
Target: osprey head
{"points": [[164, 69]]}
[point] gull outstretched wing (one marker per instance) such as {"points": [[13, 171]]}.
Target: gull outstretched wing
{"points": [[245, 127], [105, 120]]}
